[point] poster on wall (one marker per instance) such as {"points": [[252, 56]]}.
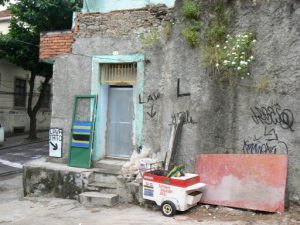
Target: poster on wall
{"points": [[55, 142]]}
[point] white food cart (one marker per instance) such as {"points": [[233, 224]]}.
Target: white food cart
{"points": [[172, 194]]}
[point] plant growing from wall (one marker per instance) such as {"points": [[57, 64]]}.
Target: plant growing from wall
{"points": [[190, 9], [191, 12], [229, 56], [262, 85], [150, 39], [235, 55], [215, 33], [167, 29]]}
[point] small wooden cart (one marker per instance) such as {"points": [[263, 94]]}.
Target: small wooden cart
{"points": [[172, 194]]}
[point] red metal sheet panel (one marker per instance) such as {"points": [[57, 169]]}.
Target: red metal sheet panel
{"points": [[244, 181]]}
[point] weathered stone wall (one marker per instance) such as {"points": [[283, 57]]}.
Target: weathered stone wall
{"points": [[219, 117], [41, 178], [125, 22]]}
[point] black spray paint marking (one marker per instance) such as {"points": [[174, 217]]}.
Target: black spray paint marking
{"points": [[273, 115], [151, 98], [151, 114], [178, 90], [188, 119], [266, 144]]}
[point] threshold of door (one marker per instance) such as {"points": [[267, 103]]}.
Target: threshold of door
{"points": [[116, 158], [110, 164]]}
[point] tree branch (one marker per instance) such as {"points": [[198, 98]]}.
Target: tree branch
{"points": [[42, 95], [30, 97]]}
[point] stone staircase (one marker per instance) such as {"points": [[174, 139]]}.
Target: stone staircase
{"points": [[102, 190]]}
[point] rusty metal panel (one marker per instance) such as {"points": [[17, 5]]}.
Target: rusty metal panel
{"points": [[244, 181]]}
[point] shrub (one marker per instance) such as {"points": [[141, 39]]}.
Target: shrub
{"points": [[236, 54], [190, 9], [191, 35]]}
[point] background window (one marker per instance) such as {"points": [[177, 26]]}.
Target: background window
{"points": [[47, 98], [20, 93]]}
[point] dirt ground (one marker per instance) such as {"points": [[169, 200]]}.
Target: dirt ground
{"points": [[247, 217], [17, 210]]}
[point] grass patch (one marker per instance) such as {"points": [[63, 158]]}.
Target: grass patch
{"points": [[191, 9], [150, 39], [191, 34], [262, 85]]}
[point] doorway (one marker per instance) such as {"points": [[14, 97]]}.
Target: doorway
{"points": [[119, 135], [121, 70]]}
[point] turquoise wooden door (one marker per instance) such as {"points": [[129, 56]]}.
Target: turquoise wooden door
{"points": [[82, 131]]}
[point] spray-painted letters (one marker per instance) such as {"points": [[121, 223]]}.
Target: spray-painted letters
{"points": [[268, 143], [187, 118], [274, 114], [178, 90], [150, 99]]}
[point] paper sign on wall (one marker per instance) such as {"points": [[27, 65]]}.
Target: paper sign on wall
{"points": [[55, 142]]}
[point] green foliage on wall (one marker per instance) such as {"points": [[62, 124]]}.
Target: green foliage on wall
{"points": [[192, 35], [150, 39], [190, 9], [226, 55], [262, 85], [235, 55], [191, 12]]}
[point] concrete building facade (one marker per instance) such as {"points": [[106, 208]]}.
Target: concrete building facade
{"points": [[169, 79]]}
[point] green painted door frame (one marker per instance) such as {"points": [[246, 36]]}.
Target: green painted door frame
{"points": [[82, 132], [100, 90]]}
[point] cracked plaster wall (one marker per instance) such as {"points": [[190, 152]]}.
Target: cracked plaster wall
{"points": [[219, 116]]}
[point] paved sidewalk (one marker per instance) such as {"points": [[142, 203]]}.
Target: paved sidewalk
{"points": [[22, 140], [17, 210]]}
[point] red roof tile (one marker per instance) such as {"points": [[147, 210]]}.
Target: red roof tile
{"points": [[4, 13]]}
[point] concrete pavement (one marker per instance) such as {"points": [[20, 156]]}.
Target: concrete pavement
{"points": [[18, 140], [16, 210], [12, 158]]}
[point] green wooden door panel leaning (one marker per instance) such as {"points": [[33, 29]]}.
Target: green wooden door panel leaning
{"points": [[82, 131]]}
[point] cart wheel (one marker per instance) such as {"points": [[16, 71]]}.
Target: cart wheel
{"points": [[168, 208]]}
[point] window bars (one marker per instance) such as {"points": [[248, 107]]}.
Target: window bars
{"points": [[121, 73]]}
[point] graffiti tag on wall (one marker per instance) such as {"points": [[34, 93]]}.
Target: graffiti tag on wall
{"points": [[150, 99], [273, 115], [179, 94], [268, 143], [187, 118]]}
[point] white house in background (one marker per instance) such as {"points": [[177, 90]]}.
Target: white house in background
{"points": [[14, 89], [4, 21]]}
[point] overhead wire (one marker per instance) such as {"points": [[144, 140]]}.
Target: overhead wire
{"points": [[71, 53]]}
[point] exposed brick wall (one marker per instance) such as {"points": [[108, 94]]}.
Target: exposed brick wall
{"points": [[55, 43], [123, 22]]}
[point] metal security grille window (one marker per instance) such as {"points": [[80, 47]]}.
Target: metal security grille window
{"points": [[118, 73], [20, 93]]}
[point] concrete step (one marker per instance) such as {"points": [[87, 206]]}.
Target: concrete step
{"points": [[101, 187], [110, 164], [98, 199], [105, 178]]}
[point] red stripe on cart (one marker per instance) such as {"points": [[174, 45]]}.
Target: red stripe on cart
{"points": [[171, 181]]}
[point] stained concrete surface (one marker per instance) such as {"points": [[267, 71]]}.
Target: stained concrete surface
{"points": [[48, 211], [12, 158]]}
